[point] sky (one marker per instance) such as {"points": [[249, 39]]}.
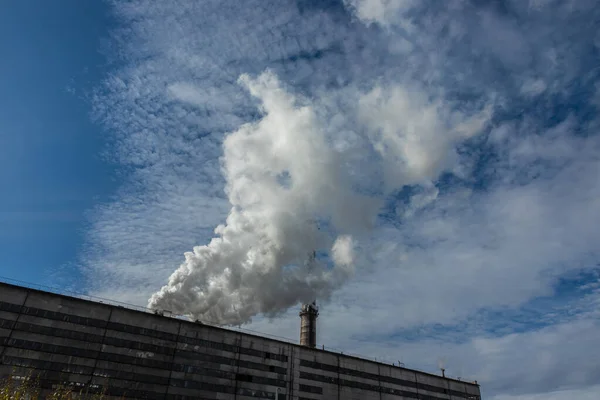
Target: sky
{"points": [[428, 171], [51, 168]]}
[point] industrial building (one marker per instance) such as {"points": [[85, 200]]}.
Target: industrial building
{"points": [[130, 353]]}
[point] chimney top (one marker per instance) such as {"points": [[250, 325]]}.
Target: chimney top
{"points": [[308, 325]]}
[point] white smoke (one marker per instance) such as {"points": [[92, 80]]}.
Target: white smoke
{"points": [[284, 173], [343, 250]]}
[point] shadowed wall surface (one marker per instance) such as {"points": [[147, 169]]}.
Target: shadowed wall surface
{"points": [[136, 354]]}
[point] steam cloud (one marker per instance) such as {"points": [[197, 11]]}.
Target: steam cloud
{"points": [[308, 177]]}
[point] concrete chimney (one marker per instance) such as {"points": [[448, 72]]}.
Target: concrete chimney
{"points": [[308, 325]]}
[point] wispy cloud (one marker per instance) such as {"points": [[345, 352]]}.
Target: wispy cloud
{"points": [[472, 127], [567, 394]]}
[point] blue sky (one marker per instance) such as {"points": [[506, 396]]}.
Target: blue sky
{"points": [[52, 171], [449, 152]]}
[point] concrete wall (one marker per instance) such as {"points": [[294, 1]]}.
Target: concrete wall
{"points": [[122, 352]]}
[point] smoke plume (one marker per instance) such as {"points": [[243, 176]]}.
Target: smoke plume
{"points": [[301, 196]]}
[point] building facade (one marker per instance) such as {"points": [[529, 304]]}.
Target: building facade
{"points": [[134, 354]]}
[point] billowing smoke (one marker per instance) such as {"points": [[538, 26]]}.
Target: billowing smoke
{"points": [[302, 191]]}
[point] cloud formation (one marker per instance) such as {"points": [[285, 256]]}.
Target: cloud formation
{"points": [[383, 12], [282, 176], [450, 151]]}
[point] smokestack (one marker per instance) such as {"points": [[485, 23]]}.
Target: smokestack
{"points": [[308, 325], [443, 372]]}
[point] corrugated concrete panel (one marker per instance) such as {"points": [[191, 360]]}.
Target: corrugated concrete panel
{"points": [[208, 377], [12, 294], [65, 305], [472, 390], [129, 385], [357, 394], [49, 339], [37, 355], [199, 393], [318, 356], [266, 376], [220, 335], [199, 356], [137, 339], [41, 343], [196, 366], [328, 375], [320, 369], [366, 372], [385, 396], [455, 389], [55, 340], [59, 324], [398, 379], [4, 332], [8, 316], [58, 376], [149, 355], [130, 368], [260, 358], [184, 349], [433, 386], [146, 321], [257, 388], [6, 370], [403, 374]]}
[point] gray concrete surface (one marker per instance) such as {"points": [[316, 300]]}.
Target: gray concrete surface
{"points": [[95, 346]]}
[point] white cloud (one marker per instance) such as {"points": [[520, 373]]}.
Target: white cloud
{"points": [[591, 393], [204, 98], [415, 137], [533, 87], [380, 11]]}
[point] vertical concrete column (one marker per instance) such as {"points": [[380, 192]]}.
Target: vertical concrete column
{"points": [[338, 378], [237, 363], [379, 379], [101, 348], [173, 359], [416, 384], [291, 380]]}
